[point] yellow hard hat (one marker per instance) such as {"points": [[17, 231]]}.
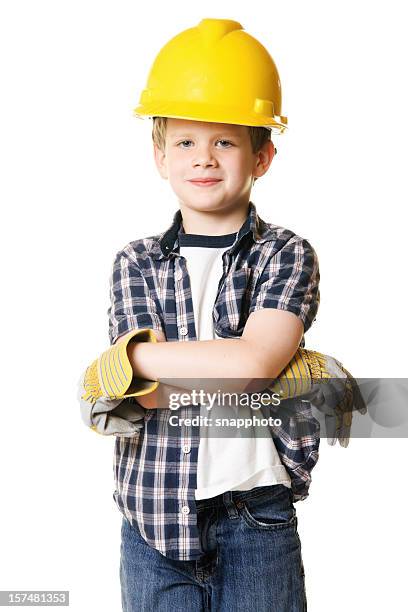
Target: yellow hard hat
{"points": [[214, 72]]}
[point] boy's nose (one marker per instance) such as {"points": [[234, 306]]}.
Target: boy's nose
{"points": [[204, 157]]}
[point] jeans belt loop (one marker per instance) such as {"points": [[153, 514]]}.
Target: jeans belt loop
{"points": [[230, 505]]}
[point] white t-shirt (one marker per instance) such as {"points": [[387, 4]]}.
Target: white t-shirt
{"points": [[224, 463]]}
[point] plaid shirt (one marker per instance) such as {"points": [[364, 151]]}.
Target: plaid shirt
{"points": [[155, 473]]}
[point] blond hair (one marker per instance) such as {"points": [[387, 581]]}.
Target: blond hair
{"points": [[258, 135]]}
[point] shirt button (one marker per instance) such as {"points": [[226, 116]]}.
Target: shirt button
{"points": [[186, 448], [179, 274], [183, 331], [185, 510]]}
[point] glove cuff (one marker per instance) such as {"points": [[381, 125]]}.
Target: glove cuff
{"points": [[295, 380], [115, 373], [317, 363]]}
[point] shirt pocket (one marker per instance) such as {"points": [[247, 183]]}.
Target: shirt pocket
{"points": [[231, 309]]}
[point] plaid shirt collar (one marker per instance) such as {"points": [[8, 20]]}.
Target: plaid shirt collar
{"points": [[164, 244]]}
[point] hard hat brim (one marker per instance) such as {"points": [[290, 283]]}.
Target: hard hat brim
{"points": [[211, 114]]}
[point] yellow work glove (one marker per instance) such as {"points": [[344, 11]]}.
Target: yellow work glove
{"points": [[297, 378], [111, 375], [117, 417], [328, 386]]}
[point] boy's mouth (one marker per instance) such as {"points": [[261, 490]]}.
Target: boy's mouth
{"points": [[207, 182]]}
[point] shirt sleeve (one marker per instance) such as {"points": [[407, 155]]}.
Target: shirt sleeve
{"points": [[132, 306], [290, 281]]}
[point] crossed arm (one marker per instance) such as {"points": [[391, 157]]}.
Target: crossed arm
{"points": [[270, 339], [282, 308]]}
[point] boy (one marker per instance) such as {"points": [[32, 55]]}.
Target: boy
{"points": [[209, 523]]}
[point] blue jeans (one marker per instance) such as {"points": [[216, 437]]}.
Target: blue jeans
{"points": [[252, 560]]}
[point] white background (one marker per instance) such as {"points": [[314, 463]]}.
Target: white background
{"points": [[79, 182]]}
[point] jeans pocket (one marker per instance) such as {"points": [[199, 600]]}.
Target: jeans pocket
{"points": [[270, 512]]}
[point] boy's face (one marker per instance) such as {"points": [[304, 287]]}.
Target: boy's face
{"points": [[200, 150]]}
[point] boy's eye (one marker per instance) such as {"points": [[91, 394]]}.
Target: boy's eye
{"points": [[225, 141], [185, 143]]}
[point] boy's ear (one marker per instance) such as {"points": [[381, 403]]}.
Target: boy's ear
{"points": [[264, 159], [160, 159]]}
